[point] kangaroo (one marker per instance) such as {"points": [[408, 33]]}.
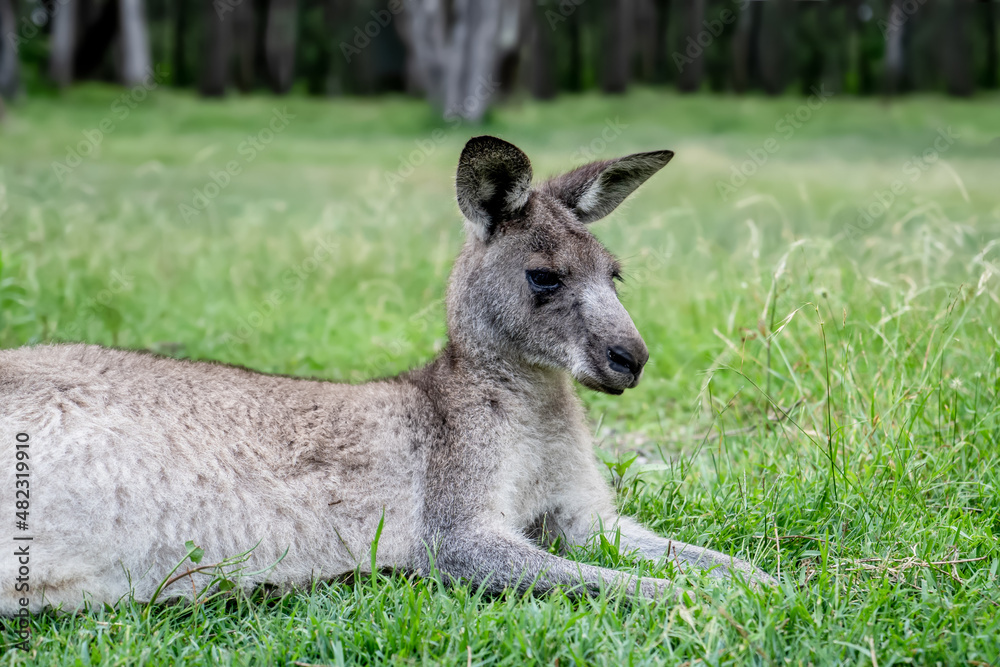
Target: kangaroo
{"points": [[470, 465]]}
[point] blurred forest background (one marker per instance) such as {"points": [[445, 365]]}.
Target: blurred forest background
{"points": [[466, 54]]}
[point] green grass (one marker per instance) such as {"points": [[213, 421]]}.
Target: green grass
{"points": [[825, 406]]}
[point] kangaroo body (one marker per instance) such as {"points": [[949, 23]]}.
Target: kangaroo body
{"points": [[472, 461]]}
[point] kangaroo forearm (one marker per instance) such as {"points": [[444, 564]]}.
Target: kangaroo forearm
{"points": [[657, 548], [499, 562]]}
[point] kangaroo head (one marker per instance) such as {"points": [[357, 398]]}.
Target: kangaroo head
{"points": [[533, 285]]}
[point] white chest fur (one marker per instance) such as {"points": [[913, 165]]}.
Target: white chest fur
{"points": [[542, 459]]}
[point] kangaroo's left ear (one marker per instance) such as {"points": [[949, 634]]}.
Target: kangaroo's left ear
{"points": [[492, 184], [594, 190]]}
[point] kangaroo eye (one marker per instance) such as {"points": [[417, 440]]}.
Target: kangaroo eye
{"points": [[543, 280]]}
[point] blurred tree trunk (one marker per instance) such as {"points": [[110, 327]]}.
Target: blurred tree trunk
{"points": [[773, 50], [180, 69], [336, 16], [511, 42], [661, 57], [244, 41], [475, 54], [833, 48], [427, 25], [136, 59], [279, 43], [360, 68], [958, 50], [96, 35], [541, 82], [741, 48], [894, 65], [574, 34], [693, 72], [217, 49], [992, 52], [9, 66], [644, 19], [810, 46], [414, 77], [62, 42], [852, 74], [618, 41], [457, 50]]}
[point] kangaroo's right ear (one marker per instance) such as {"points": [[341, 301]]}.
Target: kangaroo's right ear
{"points": [[594, 190], [493, 183]]}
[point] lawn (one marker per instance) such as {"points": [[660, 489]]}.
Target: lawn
{"points": [[822, 394]]}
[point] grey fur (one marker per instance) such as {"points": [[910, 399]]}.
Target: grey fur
{"points": [[467, 459]]}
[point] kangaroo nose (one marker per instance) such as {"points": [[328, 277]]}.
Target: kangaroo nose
{"points": [[622, 361]]}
